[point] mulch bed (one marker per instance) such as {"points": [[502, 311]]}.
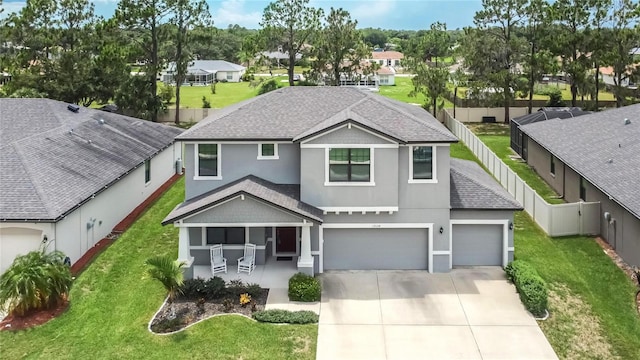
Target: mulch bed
{"points": [[626, 268], [35, 318], [188, 312]]}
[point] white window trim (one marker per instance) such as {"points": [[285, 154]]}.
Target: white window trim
{"points": [[371, 181], [433, 166], [196, 167], [275, 155]]}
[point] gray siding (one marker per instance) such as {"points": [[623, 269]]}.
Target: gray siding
{"points": [[540, 160], [477, 245], [487, 215], [375, 249], [314, 192], [420, 196], [241, 211], [239, 160], [349, 136]]}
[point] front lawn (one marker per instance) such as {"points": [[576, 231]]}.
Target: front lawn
{"points": [[400, 91], [113, 300], [496, 137], [593, 314]]}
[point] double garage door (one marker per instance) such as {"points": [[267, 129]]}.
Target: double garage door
{"points": [[407, 249], [376, 249]]}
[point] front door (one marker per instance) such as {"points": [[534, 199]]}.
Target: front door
{"points": [[286, 240]]}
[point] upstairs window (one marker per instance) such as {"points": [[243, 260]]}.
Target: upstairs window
{"points": [[349, 165], [207, 160], [267, 151], [147, 171], [421, 166]]}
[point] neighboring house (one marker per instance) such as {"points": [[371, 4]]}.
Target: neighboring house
{"points": [[387, 58], [386, 76], [337, 178], [609, 77], [204, 72], [71, 174], [543, 114], [595, 158]]}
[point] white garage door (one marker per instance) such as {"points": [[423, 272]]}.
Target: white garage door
{"points": [[477, 244], [17, 241], [375, 249]]}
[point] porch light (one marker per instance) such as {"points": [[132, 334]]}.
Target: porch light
{"points": [[441, 230]]}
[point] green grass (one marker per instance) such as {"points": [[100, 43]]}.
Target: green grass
{"points": [[400, 91], [564, 89], [496, 137], [577, 268], [113, 300]]}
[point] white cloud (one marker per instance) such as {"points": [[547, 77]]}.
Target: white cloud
{"points": [[233, 12], [372, 10], [11, 7]]}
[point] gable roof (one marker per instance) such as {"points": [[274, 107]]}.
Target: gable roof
{"points": [[600, 148], [384, 55], [472, 188], [284, 197], [208, 66], [292, 113], [53, 159]]}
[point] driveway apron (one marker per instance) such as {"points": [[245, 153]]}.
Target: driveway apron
{"points": [[465, 314]]}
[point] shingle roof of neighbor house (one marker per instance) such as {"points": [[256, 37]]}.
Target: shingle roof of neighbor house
{"points": [[383, 55], [209, 66], [602, 147], [295, 113], [53, 159], [472, 188], [286, 197]]}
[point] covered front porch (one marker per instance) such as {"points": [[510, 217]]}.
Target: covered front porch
{"points": [[273, 274]]}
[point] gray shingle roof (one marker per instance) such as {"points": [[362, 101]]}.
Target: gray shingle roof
{"points": [[295, 112], [47, 171], [286, 197], [587, 143], [209, 66], [473, 188]]}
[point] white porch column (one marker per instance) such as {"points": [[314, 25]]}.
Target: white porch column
{"points": [[305, 261], [183, 252]]}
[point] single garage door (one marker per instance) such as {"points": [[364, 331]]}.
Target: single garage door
{"points": [[375, 249], [477, 245], [17, 241]]}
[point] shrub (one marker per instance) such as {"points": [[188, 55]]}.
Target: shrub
{"points": [[215, 288], [254, 290], [532, 289], [205, 103], [268, 86], [236, 287], [193, 289], [305, 288], [286, 317], [37, 280], [166, 93]]}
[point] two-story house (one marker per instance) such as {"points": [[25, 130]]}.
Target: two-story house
{"points": [[338, 179]]}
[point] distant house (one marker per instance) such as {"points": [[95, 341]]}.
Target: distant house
{"points": [[386, 76], [204, 72], [71, 174], [609, 77], [387, 58], [596, 158]]}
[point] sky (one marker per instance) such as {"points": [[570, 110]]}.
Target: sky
{"points": [[384, 14]]}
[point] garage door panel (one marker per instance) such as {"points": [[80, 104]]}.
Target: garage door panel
{"points": [[375, 249], [477, 245]]}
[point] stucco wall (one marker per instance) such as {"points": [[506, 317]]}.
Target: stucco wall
{"points": [[239, 160], [236, 75], [21, 238]]}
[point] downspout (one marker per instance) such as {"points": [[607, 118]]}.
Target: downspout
{"points": [[564, 179]]}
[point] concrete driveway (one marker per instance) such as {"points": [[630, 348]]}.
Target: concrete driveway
{"points": [[466, 314]]}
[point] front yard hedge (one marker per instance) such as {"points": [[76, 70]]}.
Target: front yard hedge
{"points": [[286, 317], [532, 289], [305, 288]]}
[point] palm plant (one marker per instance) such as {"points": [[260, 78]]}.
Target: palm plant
{"points": [[37, 280], [168, 272]]}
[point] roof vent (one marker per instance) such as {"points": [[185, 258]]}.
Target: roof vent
{"points": [[101, 121], [627, 121], [73, 108], [610, 161]]}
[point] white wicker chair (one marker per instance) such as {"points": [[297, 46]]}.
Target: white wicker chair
{"points": [[248, 262], [218, 261]]}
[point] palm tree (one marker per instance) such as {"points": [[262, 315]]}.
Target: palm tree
{"points": [[37, 280], [170, 273]]}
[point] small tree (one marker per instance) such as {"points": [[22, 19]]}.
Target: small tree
{"points": [[268, 86], [169, 273], [37, 280], [205, 103], [166, 94]]}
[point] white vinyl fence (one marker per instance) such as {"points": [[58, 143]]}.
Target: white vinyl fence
{"points": [[555, 219]]}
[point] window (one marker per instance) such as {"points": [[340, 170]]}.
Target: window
{"points": [[381, 62], [396, 62], [147, 171], [583, 189], [207, 160], [350, 165], [267, 151], [553, 165], [229, 76], [230, 235], [422, 164]]}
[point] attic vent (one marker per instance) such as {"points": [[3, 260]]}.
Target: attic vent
{"points": [[101, 121], [73, 108], [610, 161], [627, 121]]}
